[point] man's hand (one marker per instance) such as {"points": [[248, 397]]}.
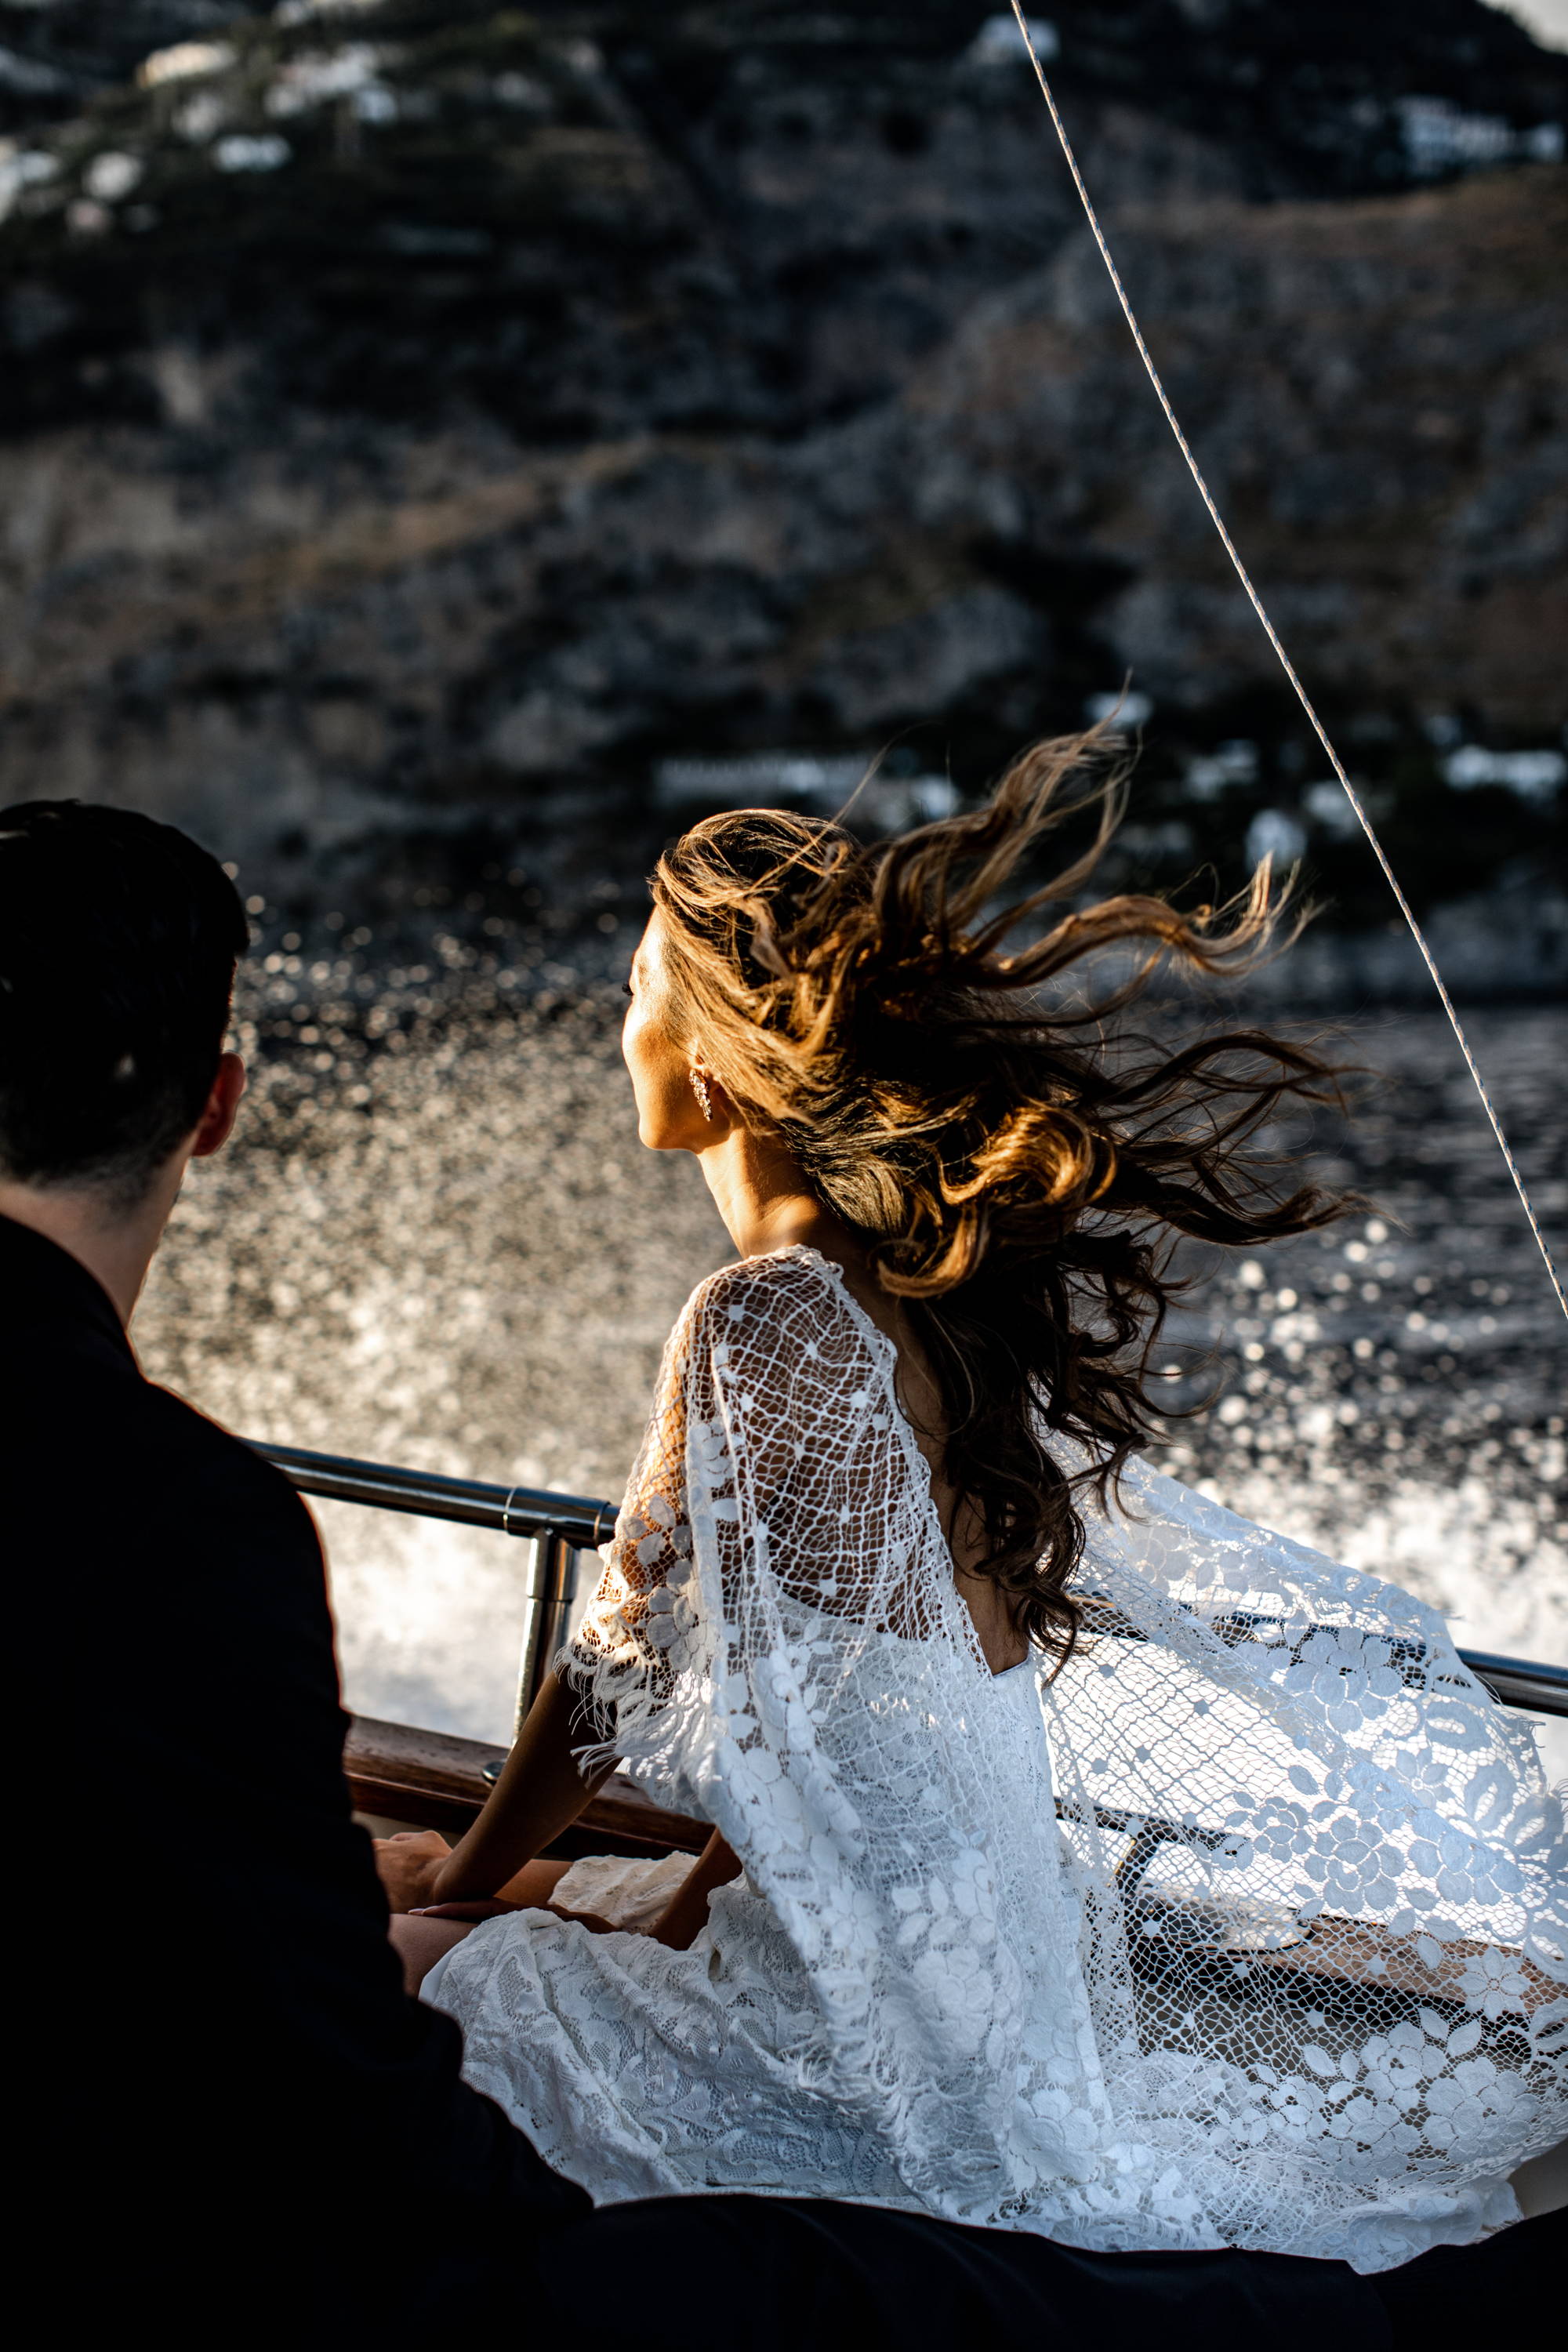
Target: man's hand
{"points": [[408, 1864]]}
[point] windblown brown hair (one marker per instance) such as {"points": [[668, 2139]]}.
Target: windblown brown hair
{"points": [[1020, 1170]]}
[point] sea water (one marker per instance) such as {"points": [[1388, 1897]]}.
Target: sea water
{"points": [[435, 1239]]}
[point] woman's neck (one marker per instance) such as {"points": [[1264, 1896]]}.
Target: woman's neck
{"points": [[767, 1203], [760, 1191]]}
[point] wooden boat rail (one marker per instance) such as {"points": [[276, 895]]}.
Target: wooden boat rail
{"points": [[435, 1780]]}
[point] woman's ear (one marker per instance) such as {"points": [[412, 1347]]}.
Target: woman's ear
{"points": [[719, 1113]]}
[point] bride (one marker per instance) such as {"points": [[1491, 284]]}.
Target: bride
{"points": [[1086, 1860]]}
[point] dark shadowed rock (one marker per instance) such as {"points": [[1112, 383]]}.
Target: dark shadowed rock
{"points": [[419, 420]]}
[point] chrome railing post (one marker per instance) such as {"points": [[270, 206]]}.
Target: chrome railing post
{"points": [[551, 1586]]}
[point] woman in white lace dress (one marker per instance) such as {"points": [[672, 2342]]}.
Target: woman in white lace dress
{"points": [[1086, 1861]]}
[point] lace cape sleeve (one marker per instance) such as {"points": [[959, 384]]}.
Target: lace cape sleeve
{"points": [[773, 1487], [1324, 1711]]}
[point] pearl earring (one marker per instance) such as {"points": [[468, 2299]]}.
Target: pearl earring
{"points": [[703, 1093]]}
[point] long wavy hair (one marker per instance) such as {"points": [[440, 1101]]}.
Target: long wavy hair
{"points": [[1017, 1165]]}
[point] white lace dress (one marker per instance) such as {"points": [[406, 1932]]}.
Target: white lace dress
{"points": [[1247, 1930]]}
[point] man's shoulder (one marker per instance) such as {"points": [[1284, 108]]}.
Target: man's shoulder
{"points": [[88, 1422], [215, 1461]]}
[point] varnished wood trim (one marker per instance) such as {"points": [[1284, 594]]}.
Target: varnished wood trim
{"points": [[435, 1780]]}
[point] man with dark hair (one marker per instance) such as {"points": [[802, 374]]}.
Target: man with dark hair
{"points": [[112, 1073], [133, 997], [217, 2087], [234, 2082]]}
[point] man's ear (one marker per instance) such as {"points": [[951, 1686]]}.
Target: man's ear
{"points": [[217, 1119]]}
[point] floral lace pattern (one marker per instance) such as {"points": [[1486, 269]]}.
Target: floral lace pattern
{"points": [[1247, 1930]]}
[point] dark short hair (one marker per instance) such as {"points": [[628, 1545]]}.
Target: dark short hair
{"points": [[119, 939]]}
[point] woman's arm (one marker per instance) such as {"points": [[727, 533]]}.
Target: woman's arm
{"points": [[540, 1793]]}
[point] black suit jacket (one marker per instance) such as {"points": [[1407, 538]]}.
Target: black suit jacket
{"points": [[227, 2083]]}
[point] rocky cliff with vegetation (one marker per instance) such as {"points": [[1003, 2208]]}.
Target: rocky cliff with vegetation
{"points": [[423, 425]]}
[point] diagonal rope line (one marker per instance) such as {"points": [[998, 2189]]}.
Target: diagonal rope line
{"points": [[1289, 666]]}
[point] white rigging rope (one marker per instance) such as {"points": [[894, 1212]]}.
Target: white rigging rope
{"points": [[1286, 665]]}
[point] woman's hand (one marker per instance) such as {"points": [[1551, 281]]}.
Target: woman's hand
{"points": [[407, 1865]]}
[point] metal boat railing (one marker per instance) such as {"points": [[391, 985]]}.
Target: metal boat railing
{"points": [[560, 1525], [557, 1527]]}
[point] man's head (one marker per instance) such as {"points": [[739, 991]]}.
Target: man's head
{"points": [[119, 939]]}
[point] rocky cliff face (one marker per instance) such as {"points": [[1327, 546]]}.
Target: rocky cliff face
{"points": [[420, 421]]}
